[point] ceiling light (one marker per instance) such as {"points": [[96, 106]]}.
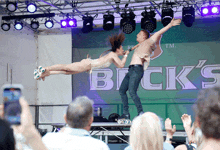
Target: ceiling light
{"points": [[87, 24], [148, 22], [18, 25], [188, 16], [34, 24], [5, 26], [108, 22], [167, 16], [127, 23], [11, 6]]}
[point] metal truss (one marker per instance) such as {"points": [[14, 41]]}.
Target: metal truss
{"points": [[96, 8]]}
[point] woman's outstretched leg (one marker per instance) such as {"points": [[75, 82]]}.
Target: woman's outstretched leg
{"points": [[74, 68]]}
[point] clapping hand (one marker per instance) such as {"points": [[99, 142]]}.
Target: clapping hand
{"points": [[170, 130], [187, 121]]}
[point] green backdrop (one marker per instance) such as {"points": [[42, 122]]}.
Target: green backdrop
{"points": [[188, 61]]}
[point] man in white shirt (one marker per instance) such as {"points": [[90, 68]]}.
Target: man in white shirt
{"points": [[76, 136]]}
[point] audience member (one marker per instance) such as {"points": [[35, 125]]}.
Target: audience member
{"points": [[207, 113], [146, 133], [7, 141], [193, 134], [76, 136], [26, 135]]}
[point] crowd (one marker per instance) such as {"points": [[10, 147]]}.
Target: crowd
{"points": [[145, 131]]}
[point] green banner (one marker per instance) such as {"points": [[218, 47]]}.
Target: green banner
{"points": [[185, 61]]}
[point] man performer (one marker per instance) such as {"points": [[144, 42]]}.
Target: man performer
{"points": [[139, 62]]}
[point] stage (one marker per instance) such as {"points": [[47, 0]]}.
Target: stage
{"points": [[106, 129]]}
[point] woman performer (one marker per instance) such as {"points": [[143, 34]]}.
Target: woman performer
{"points": [[90, 64]]}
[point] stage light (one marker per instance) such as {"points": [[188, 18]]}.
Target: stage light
{"points": [[127, 23], [167, 16], [210, 10], [87, 24], [63, 23], [18, 25], [205, 11], [5, 26], [108, 22], [11, 6], [68, 23], [49, 23], [31, 7], [148, 22], [214, 10], [188, 16], [34, 24]]}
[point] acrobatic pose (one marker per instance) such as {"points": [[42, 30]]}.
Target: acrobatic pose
{"points": [[139, 62], [89, 64]]}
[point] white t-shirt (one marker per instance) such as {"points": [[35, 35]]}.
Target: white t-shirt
{"points": [[73, 139]]}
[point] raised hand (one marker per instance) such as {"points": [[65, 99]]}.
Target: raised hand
{"points": [[175, 22], [187, 121], [170, 130], [1, 111]]}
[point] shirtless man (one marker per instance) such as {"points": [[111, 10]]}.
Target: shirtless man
{"points": [[139, 62]]}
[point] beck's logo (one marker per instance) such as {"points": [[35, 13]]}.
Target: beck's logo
{"points": [[158, 51]]}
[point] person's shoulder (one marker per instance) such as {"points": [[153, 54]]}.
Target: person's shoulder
{"points": [[167, 146], [52, 135], [99, 143], [128, 148]]}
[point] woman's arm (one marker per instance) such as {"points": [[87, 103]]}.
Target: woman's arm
{"points": [[118, 62], [155, 37]]}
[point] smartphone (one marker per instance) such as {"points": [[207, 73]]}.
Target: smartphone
{"points": [[12, 107]]}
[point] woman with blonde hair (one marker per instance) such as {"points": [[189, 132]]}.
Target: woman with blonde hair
{"points": [[111, 56], [146, 133]]}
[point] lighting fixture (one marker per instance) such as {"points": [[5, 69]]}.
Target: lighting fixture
{"points": [[148, 22], [108, 22], [188, 16], [87, 24], [127, 23], [167, 16], [11, 6]]}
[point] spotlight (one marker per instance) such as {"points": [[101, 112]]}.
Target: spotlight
{"points": [[68, 23], [18, 25], [108, 22], [31, 7], [11, 6], [148, 22], [128, 24], [87, 24], [5, 26], [34, 24], [210, 10], [49, 23], [205, 11], [63, 23], [188, 16], [167, 16], [214, 10]]}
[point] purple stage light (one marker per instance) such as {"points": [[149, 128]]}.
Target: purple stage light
{"points": [[68, 23], [71, 23], [205, 11], [210, 10], [214, 9], [63, 23]]}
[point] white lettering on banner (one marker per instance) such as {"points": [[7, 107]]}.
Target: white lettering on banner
{"points": [[170, 45], [207, 72], [121, 72], [183, 80], [101, 79], [171, 76], [103, 76], [146, 83]]}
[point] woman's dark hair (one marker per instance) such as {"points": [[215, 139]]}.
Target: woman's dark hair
{"points": [[116, 41], [7, 141]]}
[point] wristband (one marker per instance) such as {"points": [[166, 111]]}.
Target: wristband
{"points": [[130, 49], [168, 139]]}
